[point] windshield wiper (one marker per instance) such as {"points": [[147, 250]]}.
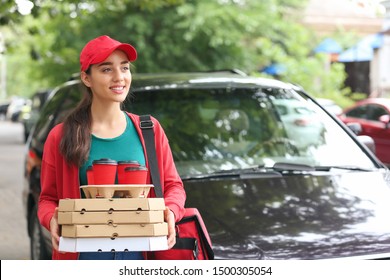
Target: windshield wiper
{"points": [[296, 167], [345, 167], [277, 170], [242, 173]]}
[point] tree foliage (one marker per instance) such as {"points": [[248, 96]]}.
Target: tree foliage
{"points": [[172, 36]]}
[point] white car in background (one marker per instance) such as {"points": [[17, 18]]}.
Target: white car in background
{"points": [[15, 108], [301, 122]]}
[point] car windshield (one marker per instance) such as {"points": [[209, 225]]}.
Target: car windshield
{"points": [[218, 129]]}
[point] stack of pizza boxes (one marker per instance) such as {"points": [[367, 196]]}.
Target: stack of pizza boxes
{"points": [[113, 218]]}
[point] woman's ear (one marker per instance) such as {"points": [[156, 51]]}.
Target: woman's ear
{"points": [[85, 79]]}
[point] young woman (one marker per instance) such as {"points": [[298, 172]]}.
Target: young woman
{"points": [[99, 128]]}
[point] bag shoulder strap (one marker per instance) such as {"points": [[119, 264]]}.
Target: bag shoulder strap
{"points": [[146, 126]]}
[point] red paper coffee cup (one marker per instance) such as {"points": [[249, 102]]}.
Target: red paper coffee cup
{"points": [[90, 179], [121, 168], [104, 171], [135, 175]]}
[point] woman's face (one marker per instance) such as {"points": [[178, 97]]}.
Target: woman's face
{"points": [[109, 80]]}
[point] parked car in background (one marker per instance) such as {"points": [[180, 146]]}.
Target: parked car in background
{"points": [[30, 112], [15, 107], [3, 109], [373, 115], [262, 193], [302, 123]]}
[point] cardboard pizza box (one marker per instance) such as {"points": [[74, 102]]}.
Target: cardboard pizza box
{"points": [[115, 230], [152, 243], [111, 204], [115, 217]]}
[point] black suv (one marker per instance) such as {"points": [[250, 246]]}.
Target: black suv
{"points": [[274, 175]]}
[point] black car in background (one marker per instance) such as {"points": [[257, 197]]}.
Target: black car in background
{"points": [[274, 175], [3, 109]]}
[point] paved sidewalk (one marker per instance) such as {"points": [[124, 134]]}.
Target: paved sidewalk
{"points": [[14, 241]]}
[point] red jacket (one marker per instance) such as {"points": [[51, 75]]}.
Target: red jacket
{"points": [[60, 180]]}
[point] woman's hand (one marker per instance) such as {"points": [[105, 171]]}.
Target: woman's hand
{"points": [[55, 230], [169, 217]]}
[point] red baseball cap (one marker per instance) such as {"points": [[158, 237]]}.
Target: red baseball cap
{"points": [[98, 49]]}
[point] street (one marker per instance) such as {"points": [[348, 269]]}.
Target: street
{"points": [[14, 241]]}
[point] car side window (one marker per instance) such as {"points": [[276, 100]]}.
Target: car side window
{"points": [[73, 96], [54, 112], [358, 112], [45, 121], [376, 112]]}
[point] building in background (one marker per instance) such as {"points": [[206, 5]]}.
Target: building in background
{"points": [[380, 65], [367, 62], [358, 16]]}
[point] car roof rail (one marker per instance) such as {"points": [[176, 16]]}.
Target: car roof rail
{"points": [[234, 71], [76, 76]]}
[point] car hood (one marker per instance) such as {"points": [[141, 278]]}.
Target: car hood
{"points": [[300, 216]]}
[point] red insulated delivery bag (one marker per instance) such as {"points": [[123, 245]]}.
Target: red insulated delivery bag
{"points": [[192, 240]]}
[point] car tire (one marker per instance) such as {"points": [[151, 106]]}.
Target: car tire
{"points": [[37, 244]]}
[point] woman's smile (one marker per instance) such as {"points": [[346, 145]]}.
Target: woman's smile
{"points": [[118, 89]]}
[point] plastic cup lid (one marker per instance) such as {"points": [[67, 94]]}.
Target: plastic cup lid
{"points": [[105, 161], [128, 162], [136, 168]]}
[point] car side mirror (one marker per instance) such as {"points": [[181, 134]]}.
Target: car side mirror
{"points": [[386, 120], [368, 141], [355, 127]]}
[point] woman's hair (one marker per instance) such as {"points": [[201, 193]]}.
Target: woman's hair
{"points": [[76, 141]]}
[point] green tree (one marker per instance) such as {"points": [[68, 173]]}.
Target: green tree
{"points": [[174, 35], [42, 47]]}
